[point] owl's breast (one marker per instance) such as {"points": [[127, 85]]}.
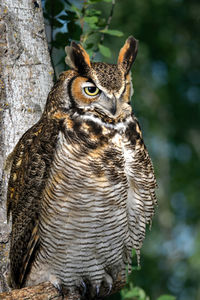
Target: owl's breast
{"points": [[83, 222]]}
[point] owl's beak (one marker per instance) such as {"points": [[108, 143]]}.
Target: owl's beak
{"points": [[113, 107], [110, 104]]}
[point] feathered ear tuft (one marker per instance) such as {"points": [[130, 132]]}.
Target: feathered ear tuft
{"points": [[77, 58], [128, 54]]}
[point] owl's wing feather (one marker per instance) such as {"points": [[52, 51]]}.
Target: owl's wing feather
{"points": [[142, 184], [31, 163]]}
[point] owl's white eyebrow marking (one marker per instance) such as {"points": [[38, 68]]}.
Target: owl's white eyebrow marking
{"points": [[87, 84], [121, 126]]}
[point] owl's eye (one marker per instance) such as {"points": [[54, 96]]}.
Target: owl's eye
{"points": [[91, 90]]}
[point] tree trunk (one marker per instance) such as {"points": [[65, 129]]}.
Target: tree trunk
{"points": [[25, 80]]}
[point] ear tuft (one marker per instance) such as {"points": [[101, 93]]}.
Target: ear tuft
{"points": [[128, 53], [77, 58]]}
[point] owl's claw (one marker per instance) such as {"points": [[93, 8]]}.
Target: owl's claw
{"points": [[84, 288], [108, 281], [97, 290], [59, 288], [109, 289]]}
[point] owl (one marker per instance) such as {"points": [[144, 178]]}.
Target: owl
{"points": [[82, 185]]}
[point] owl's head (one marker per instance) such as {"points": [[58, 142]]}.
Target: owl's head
{"points": [[100, 88]]}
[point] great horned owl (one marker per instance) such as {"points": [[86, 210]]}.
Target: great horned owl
{"points": [[82, 186]]}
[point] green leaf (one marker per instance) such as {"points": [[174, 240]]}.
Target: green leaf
{"points": [[92, 12], [112, 32], [91, 20], [61, 39], [56, 23], [102, 22], [89, 46], [93, 1], [105, 51], [166, 297], [53, 9], [75, 9], [63, 17], [71, 15], [134, 293], [107, 0], [74, 30]]}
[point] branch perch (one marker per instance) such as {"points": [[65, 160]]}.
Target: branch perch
{"points": [[43, 291], [46, 291]]}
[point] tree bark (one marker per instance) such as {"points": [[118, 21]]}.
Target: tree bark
{"points": [[25, 80], [43, 291], [46, 291]]}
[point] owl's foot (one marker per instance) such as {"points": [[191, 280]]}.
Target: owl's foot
{"points": [[84, 288], [109, 289], [58, 286], [104, 287], [97, 290], [70, 293], [108, 283]]}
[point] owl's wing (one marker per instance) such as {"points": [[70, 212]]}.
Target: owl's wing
{"points": [[142, 184], [31, 163]]}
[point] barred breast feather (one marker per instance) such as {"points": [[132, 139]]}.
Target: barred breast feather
{"points": [[85, 235], [94, 209]]}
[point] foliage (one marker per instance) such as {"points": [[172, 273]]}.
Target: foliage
{"points": [[166, 79], [166, 297], [69, 20], [134, 293]]}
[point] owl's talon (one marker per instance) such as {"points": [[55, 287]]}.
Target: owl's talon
{"points": [[59, 289], [97, 290], [108, 284], [109, 289], [84, 287]]}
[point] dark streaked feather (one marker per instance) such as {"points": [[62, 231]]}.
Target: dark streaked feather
{"points": [[33, 156]]}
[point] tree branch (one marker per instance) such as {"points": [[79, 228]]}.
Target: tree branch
{"points": [[42, 291], [46, 291], [108, 21], [105, 28]]}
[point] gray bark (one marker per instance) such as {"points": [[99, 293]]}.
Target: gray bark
{"points": [[25, 80]]}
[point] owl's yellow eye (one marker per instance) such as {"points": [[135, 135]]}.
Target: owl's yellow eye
{"points": [[91, 90]]}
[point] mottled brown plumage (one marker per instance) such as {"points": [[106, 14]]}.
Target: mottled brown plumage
{"points": [[82, 186]]}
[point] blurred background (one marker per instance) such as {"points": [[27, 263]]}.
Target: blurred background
{"points": [[166, 80]]}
